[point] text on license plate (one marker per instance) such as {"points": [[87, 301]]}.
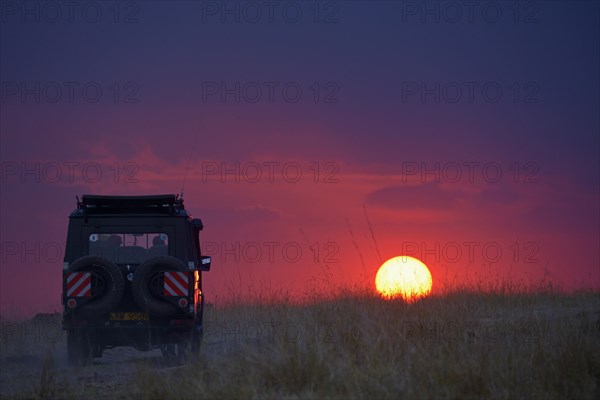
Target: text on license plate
{"points": [[128, 316]]}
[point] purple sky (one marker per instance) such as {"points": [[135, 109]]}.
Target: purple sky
{"points": [[469, 135]]}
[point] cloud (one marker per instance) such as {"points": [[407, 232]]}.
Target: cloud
{"points": [[425, 196], [245, 215]]}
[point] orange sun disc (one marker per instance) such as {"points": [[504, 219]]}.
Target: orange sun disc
{"points": [[404, 277]]}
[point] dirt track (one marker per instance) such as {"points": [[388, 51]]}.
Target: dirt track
{"points": [[47, 372], [33, 363]]}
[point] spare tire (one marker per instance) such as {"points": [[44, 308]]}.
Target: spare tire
{"points": [[146, 293], [110, 284]]}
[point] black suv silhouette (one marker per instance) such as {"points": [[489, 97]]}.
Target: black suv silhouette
{"points": [[133, 277]]}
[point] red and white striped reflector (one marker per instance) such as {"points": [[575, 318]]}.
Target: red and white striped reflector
{"points": [[79, 284], [176, 284]]}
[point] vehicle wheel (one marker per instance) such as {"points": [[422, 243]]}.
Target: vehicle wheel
{"points": [[176, 353], [146, 287], [197, 335], [109, 284], [79, 349], [97, 350]]}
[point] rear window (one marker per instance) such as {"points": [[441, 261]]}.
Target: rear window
{"points": [[128, 248]]}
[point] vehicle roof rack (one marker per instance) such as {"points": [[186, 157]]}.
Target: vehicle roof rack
{"points": [[153, 204]]}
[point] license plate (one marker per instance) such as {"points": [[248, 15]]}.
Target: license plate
{"points": [[128, 316]]}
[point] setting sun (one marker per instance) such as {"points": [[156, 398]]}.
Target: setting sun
{"points": [[404, 277]]}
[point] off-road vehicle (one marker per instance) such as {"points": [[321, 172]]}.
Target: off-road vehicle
{"points": [[132, 277]]}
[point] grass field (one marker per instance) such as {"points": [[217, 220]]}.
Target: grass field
{"points": [[467, 344]]}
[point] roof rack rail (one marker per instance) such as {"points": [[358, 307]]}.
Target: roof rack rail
{"points": [[153, 204]]}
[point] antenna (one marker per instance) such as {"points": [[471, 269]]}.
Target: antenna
{"points": [[187, 167]]}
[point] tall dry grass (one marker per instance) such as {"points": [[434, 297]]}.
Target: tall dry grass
{"points": [[497, 341], [494, 340]]}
